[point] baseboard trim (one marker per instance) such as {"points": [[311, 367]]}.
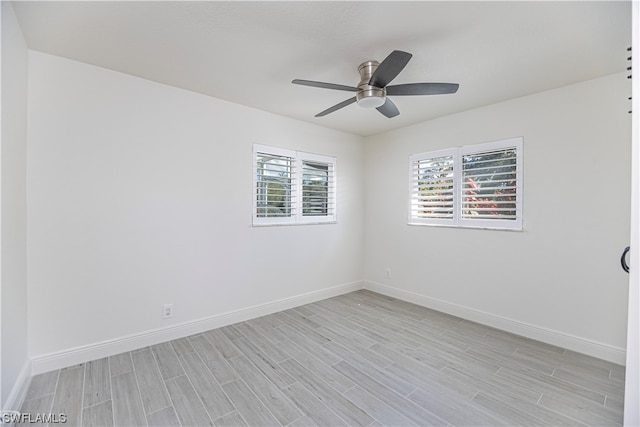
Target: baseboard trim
{"points": [[581, 345], [82, 354], [19, 391]]}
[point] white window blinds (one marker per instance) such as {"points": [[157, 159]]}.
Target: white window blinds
{"points": [[292, 187], [433, 187], [490, 184], [318, 188], [473, 186], [275, 179]]}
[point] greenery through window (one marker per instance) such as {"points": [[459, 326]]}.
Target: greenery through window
{"points": [[490, 185], [273, 185], [315, 189], [435, 188]]}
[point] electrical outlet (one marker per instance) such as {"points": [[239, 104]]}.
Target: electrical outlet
{"points": [[388, 273], [167, 311]]}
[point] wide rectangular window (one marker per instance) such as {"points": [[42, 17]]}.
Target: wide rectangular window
{"points": [[476, 186], [293, 187]]}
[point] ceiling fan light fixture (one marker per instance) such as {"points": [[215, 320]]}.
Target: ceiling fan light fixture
{"points": [[370, 96], [371, 102]]}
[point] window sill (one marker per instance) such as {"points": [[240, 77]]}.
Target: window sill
{"points": [[290, 224], [468, 227]]}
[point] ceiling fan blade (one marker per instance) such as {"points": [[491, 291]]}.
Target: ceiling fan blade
{"points": [[389, 68], [389, 109], [423, 89], [337, 107], [324, 85]]}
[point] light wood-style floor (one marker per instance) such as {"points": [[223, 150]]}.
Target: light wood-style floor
{"points": [[357, 359]]}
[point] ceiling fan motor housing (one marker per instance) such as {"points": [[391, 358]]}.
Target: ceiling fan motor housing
{"points": [[369, 96]]}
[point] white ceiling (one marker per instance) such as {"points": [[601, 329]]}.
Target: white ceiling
{"points": [[248, 52]]}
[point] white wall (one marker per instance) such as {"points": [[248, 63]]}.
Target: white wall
{"points": [[13, 290], [140, 194], [558, 280]]}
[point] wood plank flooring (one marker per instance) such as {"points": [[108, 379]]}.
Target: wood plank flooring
{"points": [[357, 359]]}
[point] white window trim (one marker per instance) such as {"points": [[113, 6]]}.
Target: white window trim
{"points": [[297, 218], [457, 220]]}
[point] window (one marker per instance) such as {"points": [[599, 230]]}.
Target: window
{"points": [[433, 187], [476, 186], [293, 187]]}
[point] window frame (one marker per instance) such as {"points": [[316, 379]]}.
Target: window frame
{"points": [[457, 220], [297, 216]]}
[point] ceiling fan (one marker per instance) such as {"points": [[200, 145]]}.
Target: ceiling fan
{"points": [[373, 92]]}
